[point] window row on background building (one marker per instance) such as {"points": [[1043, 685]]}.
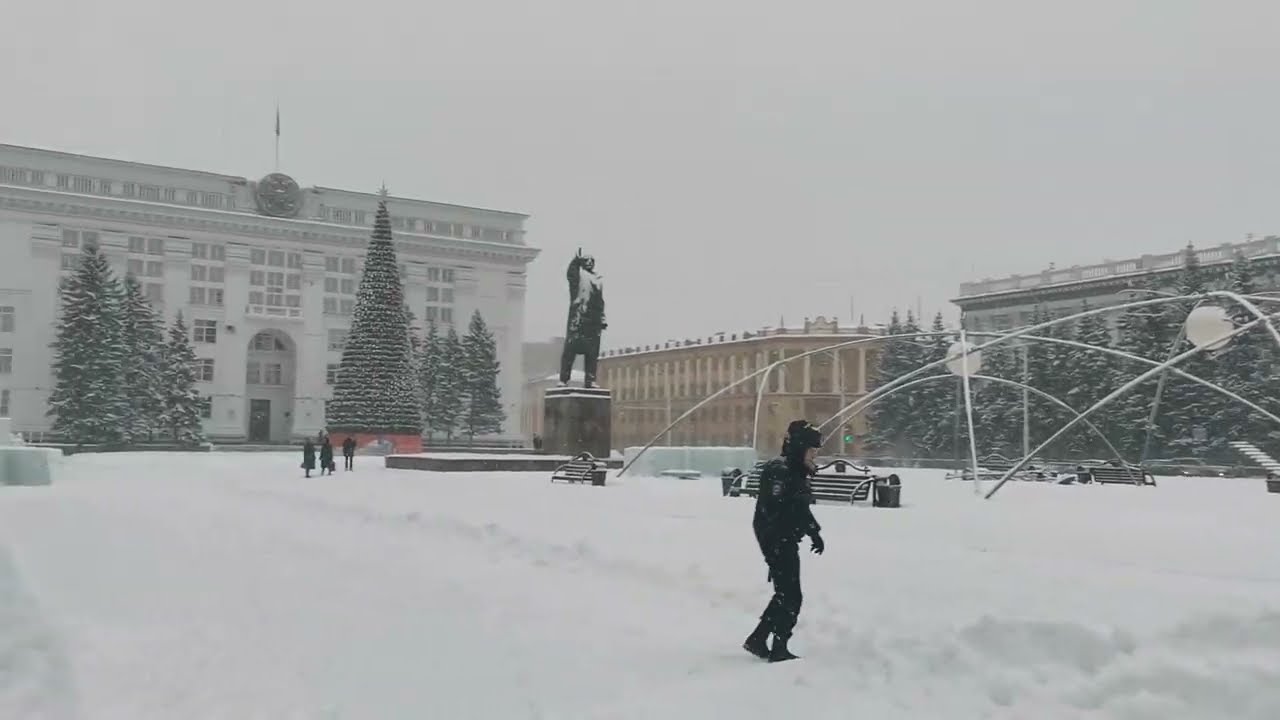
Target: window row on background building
{"points": [[86, 185]]}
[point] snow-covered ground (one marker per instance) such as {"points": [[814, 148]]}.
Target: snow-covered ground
{"points": [[225, 585]]}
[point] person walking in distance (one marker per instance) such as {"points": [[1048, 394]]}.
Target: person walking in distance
{"points": [[349, 453], [781, 519], [326, 455], [308, 457]]}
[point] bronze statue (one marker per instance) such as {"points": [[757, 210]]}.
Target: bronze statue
{"points": [[586, 319]]}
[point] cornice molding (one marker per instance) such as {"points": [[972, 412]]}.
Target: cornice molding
{"points": [[244, 227]]}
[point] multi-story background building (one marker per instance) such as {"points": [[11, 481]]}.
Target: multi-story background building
{"points": [[1006, 303], [655, 384], [265, 274]]}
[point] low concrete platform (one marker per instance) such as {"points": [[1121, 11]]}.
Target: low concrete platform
{"points": [[473, 462]]}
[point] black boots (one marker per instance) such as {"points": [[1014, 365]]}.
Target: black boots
{"points": [[780, 652], [758, 642]]}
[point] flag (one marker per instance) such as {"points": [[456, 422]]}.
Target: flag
{"points": [[277, 121]]}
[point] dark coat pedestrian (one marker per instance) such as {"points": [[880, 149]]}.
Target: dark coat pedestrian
{"points": [[326, 456], [782, 518], [349, 452], [308, 456]]}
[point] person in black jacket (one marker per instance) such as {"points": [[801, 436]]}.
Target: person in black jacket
{"points": [[781, 519], [349, 453], [308, 456], [326, 455]]}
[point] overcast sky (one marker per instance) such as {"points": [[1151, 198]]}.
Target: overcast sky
{"points": [[729, 162]]}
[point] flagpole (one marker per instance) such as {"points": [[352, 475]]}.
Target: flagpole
{"points": [[277, 137]]}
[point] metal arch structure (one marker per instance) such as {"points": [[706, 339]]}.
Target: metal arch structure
{"points": [[1001, 381], [1120, 391], [1013, 335]]}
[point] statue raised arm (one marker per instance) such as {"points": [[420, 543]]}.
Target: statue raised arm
{"points": [[586, 319]]}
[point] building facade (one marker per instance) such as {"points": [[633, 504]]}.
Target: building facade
{"points": [[653, 385], [265, 274], [1007, 303]]}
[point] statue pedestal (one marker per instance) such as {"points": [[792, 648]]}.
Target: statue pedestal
{"points": [[577, 420]]}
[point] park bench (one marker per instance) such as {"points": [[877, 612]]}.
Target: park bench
{"points": [[837, 481], [1116, 474], [583, 468]]}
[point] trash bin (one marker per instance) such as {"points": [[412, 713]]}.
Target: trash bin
{"points": [[728, 477], [888, 492]]}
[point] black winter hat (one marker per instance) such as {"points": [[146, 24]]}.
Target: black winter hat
{"points": [[802, 436]]}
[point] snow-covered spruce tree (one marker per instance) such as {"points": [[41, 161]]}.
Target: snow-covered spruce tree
{"points": [[935, 403], [889, 420], [143, 336], [482, 413], [181, 409], [997, 408], [376, 388], [88, 401], [1190, 408], [1246, 366], [1144, 332], [450, 397], [429, 374], [1091, 375]]}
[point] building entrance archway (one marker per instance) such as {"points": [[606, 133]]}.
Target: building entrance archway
{"points": [[270, 375]]}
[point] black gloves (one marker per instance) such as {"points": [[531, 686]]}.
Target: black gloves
{"points": [[818, 546]]}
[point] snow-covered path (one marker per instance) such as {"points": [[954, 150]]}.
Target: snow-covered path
{"points": [[224, 586]]}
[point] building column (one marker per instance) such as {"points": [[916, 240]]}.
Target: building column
{"points": [[808, 369], [862, 371]]}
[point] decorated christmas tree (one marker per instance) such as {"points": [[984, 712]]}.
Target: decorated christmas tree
{"points": [[143, 337], [180, 416], [88, 400], [377, 388], [482, 412]]}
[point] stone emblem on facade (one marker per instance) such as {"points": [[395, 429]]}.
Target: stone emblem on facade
{"points": [[278, 195]]}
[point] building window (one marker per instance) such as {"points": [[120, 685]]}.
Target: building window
{"points": [[206, 407], [347, 306], [433, 294], [211, 200], [433, 313], [253, 373], [331, 264], [133, 267], [331, 285], [257, 278], [6, 361], [84, 184], [204, 331], [360, 217], [155, 293], [446, 295], [155, 246], [204, 370], [199, 273], [337, 339], [70, 262], [266, 342], [293, 281], [348, 286], [216, 273], [4, 403], [218, 252], [257, 256], [446, 275], [433, 274], [275, 258], [192, 197], [349, 266], [137, 245], [273, 374], [151, 193], [255, 297], [155, 268], [129, 189], [295, 261], [63, 181], [199, 250], [70, 239], [6, 318], [330, 305]]}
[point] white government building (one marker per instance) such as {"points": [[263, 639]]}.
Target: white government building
{"points": [[265, 274]]}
